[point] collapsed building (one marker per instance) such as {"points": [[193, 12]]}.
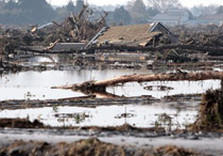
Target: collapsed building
{"points": [[134, 35], [130, 35]]}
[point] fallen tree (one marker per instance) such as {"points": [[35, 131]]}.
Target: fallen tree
{"points": [[95, 86]]}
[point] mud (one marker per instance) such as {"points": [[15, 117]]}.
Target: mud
{"points": [[87, 101], [20, 123], [88, 147], [25, 123]]}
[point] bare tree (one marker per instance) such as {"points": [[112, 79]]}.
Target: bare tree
{"points": [[163, 5]]}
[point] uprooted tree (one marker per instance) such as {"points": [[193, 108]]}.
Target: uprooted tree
{"points": [[101, 85]]}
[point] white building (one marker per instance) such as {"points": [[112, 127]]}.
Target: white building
{"points": [[173, 17]]}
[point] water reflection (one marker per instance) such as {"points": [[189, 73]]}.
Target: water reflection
{"points": [[177, 87], [136, 115], [37, 85]]}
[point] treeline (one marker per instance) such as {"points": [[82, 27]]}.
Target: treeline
{"points": [[24, 12]]}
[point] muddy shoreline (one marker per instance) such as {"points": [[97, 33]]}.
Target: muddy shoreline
{"points": [[93, 102], [209, 143]]}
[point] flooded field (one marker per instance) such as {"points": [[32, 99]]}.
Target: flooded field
{"points": [[37, 85], [143, 116], [170, 114]]}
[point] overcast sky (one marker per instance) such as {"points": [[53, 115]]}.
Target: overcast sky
{"points": [[187, 3]]}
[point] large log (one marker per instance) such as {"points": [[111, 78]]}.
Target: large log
{"points": [[95, 86]]}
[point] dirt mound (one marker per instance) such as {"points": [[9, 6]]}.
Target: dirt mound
{"points": [[89, 147], [173, 151]]}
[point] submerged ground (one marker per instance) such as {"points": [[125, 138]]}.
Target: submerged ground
{"points": [[139, 116]]}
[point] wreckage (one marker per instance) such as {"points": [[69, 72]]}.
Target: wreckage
{"points": [[133, 35], [115, 45]]}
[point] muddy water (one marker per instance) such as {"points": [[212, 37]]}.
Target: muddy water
{"points": [[37, 85], [135, 115]]}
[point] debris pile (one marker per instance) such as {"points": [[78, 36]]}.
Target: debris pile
{"points": [[211, 111], [75, 28]]}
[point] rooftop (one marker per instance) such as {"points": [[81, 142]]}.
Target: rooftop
{"points": [[132, 35]]}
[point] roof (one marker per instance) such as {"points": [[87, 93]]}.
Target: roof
{"points": [[132, 35]]}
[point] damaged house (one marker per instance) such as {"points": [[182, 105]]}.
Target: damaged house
{"points": [[133, 35], [141, 35]]}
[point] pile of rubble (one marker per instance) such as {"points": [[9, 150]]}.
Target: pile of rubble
{"points": [[75, 28]]}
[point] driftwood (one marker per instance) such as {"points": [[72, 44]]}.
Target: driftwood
{"points": [[95, 86]]}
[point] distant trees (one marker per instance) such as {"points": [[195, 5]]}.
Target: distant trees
{"points": [[203, 10], [163, 5], [219, 10], [151, 11], [121, 16], [70, 6], [79, 6], [36, 11], [138, 12], [65, 11], [24, 12]]}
